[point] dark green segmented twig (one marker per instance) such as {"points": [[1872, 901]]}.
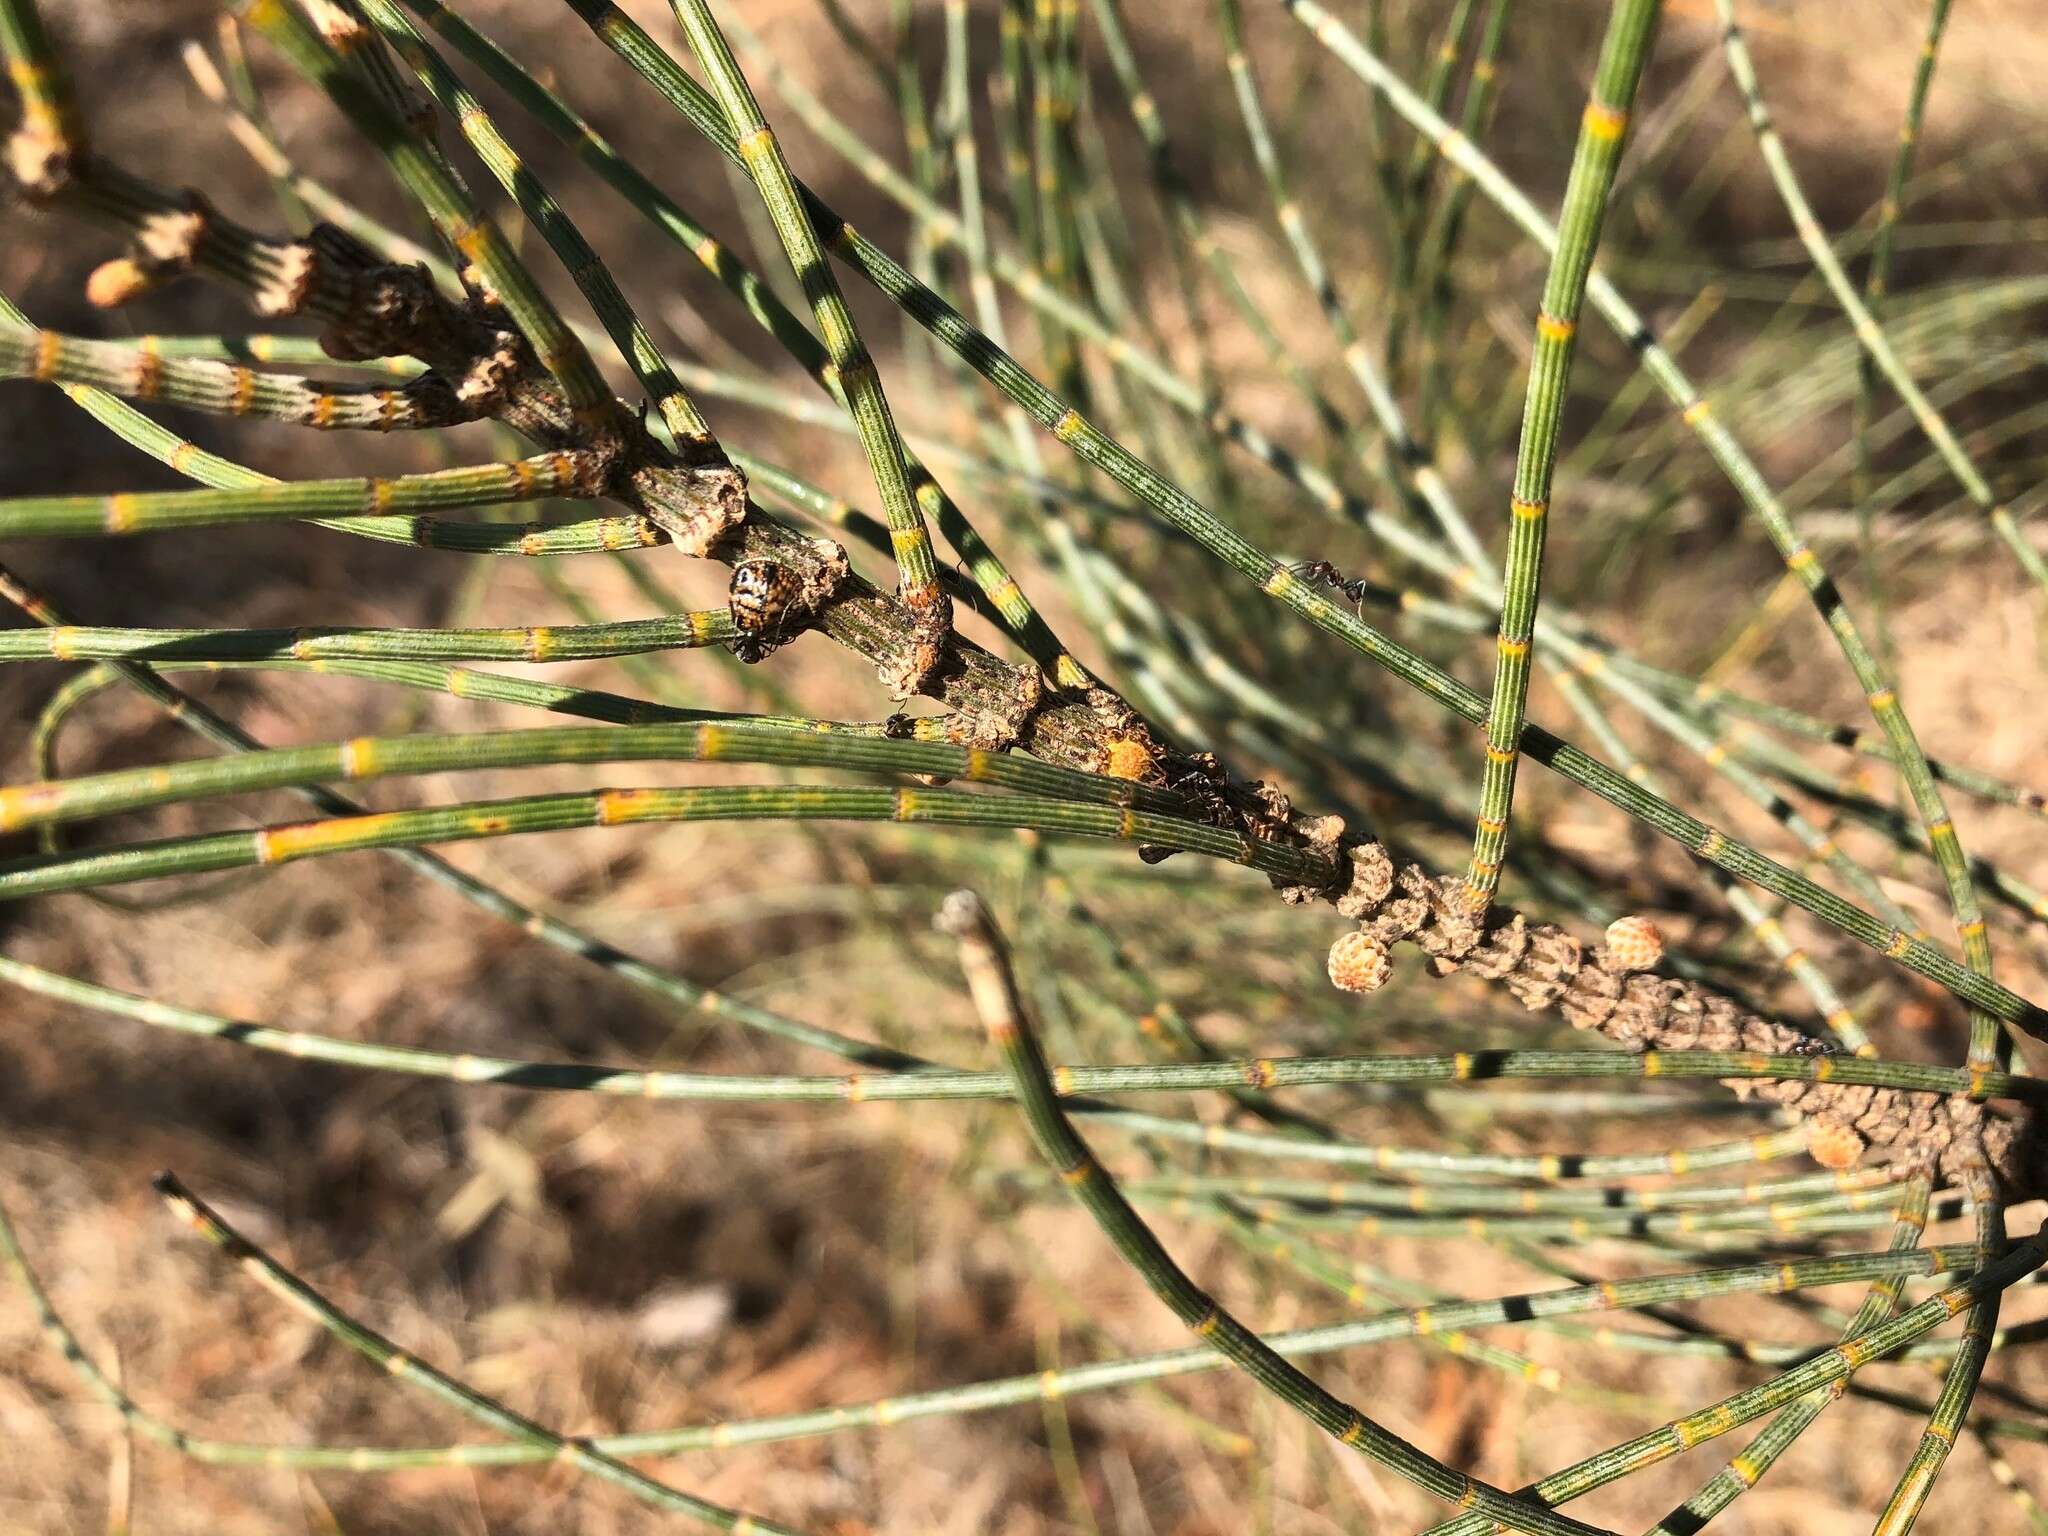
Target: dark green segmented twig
{"points": [[758, 150], [559, 642], [981, 1396], [1018, 614], [1831, 1365], [1001, 1009], [367, 757], [1410, 463], [441, 195], [1959, 1383], [1180, 511], [628, 806], [1695, 412], [592, 278], [1631, 29], [672, 989], [132, 512], [1919, 781], [1866, 328], [1746, 1470], [403, 1366]]}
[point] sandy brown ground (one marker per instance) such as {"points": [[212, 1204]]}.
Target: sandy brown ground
{"points": [[610, 1266]]}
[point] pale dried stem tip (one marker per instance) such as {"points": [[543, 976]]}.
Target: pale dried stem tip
{"points": [[983, 960], [41, 159]]}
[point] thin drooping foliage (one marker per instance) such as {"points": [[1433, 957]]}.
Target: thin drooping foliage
{"points": [[1145, 629]]}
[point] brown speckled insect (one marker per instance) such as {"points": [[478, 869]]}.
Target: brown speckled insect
{"points": [[760, 598]]}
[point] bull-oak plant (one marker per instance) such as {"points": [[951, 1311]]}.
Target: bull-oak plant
{"points": [[1241, 710]]}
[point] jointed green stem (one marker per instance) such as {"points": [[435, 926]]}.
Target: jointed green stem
{"points": [[1631, 27], [616, 807], [415, 1372], [761, 303], [635, 345], [1868, 332], [373, 757], [434, 185], [918, 1081], [1412, 464], [1958, 1386], [1648, 1291], [1832, 1365], [1927, 797], [1695, 412], [131, 512], [1001, 1009], [762, 156], [1184, 514], [573, 642], [1777, 1437]]}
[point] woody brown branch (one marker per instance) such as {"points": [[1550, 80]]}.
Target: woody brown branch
{"points": [[1607, 990], [371, 308]]}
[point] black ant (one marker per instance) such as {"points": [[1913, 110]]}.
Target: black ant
{"points": [[1323, 574]]}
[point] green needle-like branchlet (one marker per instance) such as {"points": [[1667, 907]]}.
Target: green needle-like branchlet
{"points": [[1180, 511], [1550, 1158], [1695, 413], [1927, 797], [762, 156], [618, 807], [1645, 1292], [131, 512], [985, 960], [691, 432], [441, 194], [1631, 27], [1831, 1365], [409, 1369]]}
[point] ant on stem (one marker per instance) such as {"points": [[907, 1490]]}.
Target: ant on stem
{"points": [[1322, 573]]}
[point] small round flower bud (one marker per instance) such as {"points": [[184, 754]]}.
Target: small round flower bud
{"points": [[1130, 757], [1833, 1145], [1358, 963], [1634, 944]]}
